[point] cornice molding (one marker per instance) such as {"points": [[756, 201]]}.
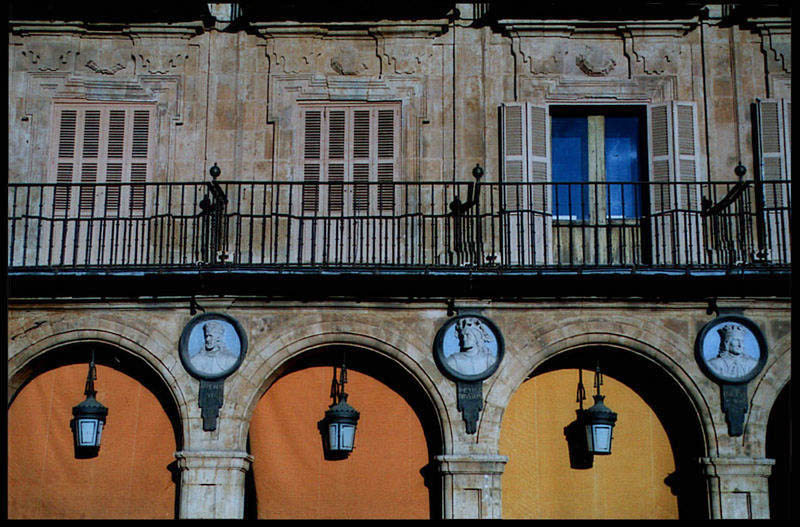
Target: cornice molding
{"points": [[422, 29], [52, 28], [568, 28]]}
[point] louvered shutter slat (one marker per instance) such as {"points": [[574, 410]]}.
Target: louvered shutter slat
{"points": [[386, 159], [514, 163], [676, 225], [773, 128], [525, 172], [86, 196], [65, 163], [361, 187], [312, 149]]}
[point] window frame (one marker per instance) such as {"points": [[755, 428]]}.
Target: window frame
{"points": [[135, 160], [596, 175], [352, 201]]}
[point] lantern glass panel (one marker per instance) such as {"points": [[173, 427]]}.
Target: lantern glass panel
{"points": [[599, 436], [333, 436], [89, 432], [347, 435]]}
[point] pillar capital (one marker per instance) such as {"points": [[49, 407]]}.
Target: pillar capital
{"points": [[738, 486], [471, 484], [212, 483]]}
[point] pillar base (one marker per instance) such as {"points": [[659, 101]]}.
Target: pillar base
{"points": [[212, 484]]}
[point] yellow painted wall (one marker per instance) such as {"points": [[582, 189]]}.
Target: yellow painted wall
{"points": [[380, 479], [128, 479], [538, 481]]}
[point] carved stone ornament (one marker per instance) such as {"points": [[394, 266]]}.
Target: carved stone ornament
{"points": [[595, 62], [161, 64], [731, 351], [105, 71], [55, 58], [347, 64], [468, 349], [212, 347]]}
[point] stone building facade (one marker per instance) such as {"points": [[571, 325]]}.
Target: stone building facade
{"points": [[240, 86]]}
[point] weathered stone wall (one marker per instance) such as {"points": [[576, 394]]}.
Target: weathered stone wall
{"points": [[533, 332], [230, 97]]}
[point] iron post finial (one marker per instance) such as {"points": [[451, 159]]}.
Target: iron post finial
{"points": [[477, 172], [740, 170], [215, 171]]}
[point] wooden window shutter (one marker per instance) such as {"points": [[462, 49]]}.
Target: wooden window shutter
{"points": [[140, 153], [361, 142], [525, 167], [538, 157], [514, 164], [337, 139], [773, 153], [388, 132], [674, 156], [66, 159], [103, 143], [312, 149], [771, 127]]}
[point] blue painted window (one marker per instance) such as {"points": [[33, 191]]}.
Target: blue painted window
{"points": [[623, 166], [570, 166], [623, 147]]}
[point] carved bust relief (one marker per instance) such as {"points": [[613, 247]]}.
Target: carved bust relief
{"points": [[731, 349], [212, 346], [469, 347]]}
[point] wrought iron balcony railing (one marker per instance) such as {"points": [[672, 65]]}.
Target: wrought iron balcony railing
{"points": [[393, 224]]}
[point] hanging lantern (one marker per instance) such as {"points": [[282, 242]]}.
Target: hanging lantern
{"points": [[88, 419], [338, 427], [598, 421]]}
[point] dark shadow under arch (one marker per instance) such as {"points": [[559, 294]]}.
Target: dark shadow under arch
{"points": [[669, 402], [779, 448], [116, 358], [396, 377]]}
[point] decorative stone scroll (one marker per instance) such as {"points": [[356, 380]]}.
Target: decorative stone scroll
{"points": [[212, 347], [468, 349], [731, 350]]}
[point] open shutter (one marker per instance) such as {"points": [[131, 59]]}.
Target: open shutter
{"points": [[773, 127], [525, 172], [676, 227]]}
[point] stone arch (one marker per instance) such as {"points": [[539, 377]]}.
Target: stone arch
{"points": [[64, 332], [764, 393], [272, 356], [131, 354], [665, 349], [390, 359], [661, 362]]}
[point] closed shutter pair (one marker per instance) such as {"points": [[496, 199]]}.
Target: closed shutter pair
{"points": [[345, 148], [101, 143]]}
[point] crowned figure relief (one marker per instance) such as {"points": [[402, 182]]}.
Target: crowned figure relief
{"points": [[731, 360]]}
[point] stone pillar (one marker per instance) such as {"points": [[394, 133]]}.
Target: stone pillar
{"points": [[738, 486], [212, 484], [471, 485]]}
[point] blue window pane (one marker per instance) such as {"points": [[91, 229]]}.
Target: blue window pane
{"points": [[622, 167], [570, 166]]}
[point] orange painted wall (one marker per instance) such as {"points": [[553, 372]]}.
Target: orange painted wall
{"points": [[538, 481], [380, 479], [129, 479]]}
